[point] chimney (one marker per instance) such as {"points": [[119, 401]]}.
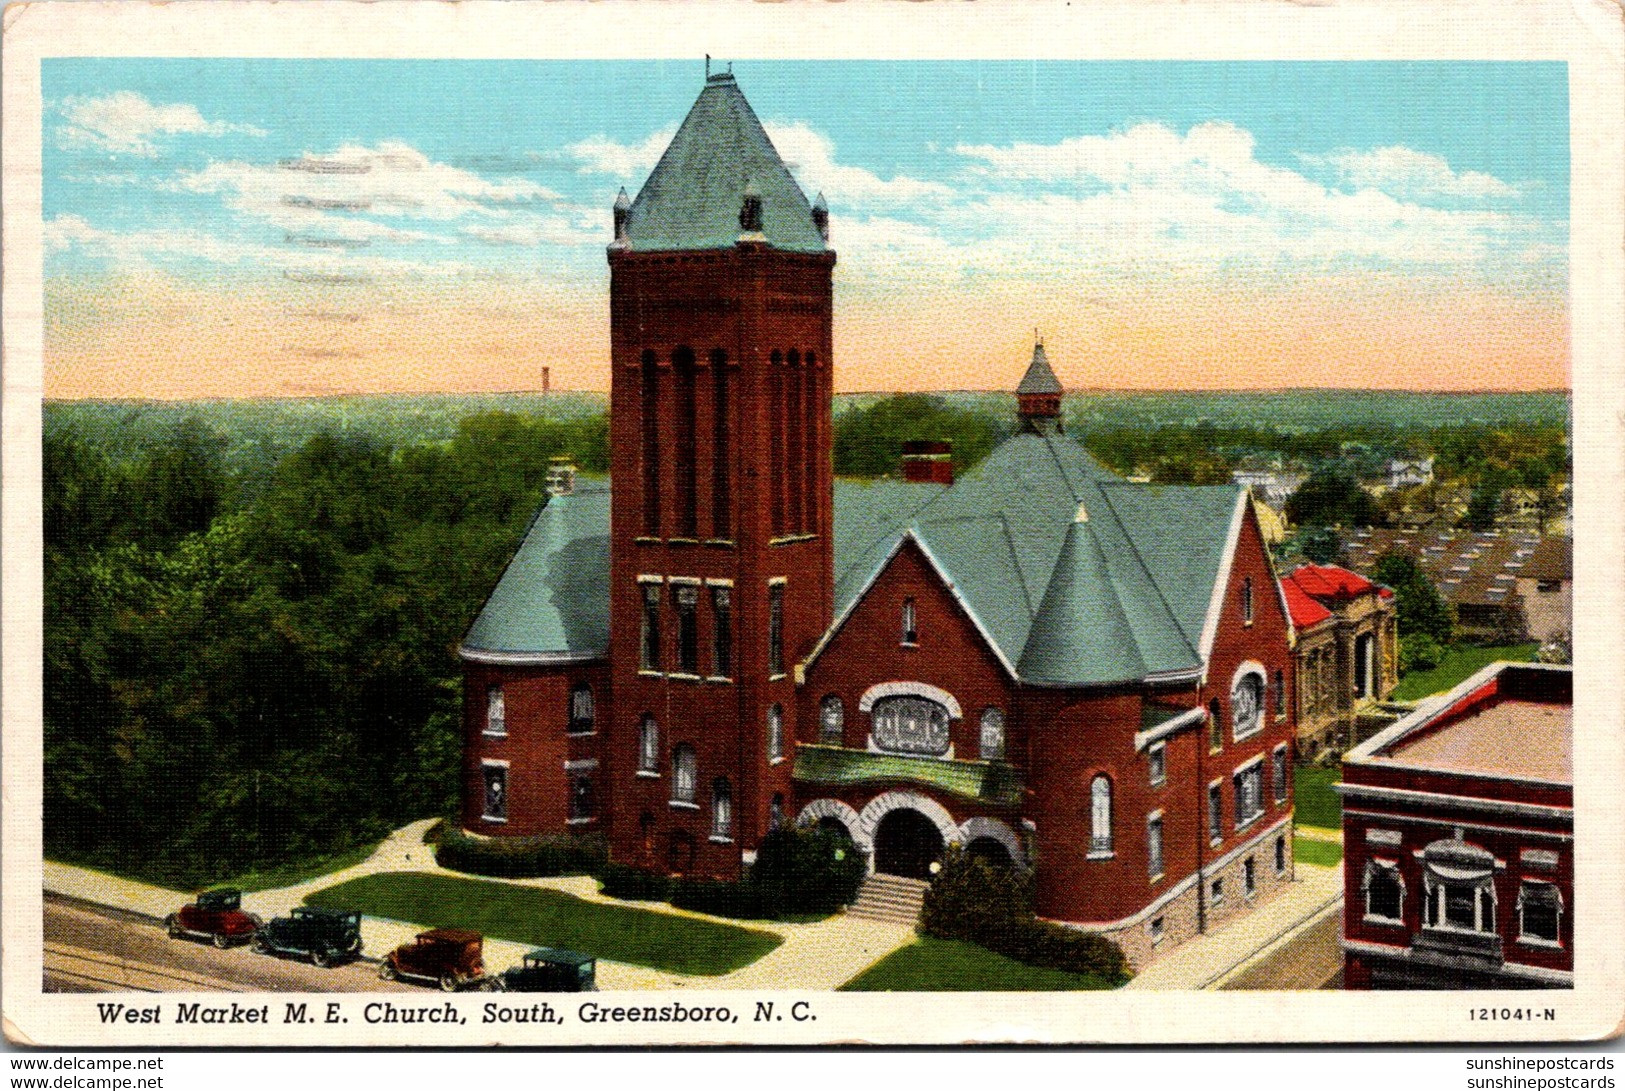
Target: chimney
{"points": [[623, 205], [561, 475], [820, 217], [928, 461]]}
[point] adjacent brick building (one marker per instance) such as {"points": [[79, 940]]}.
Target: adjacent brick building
{"points": [[1458, 833], [1048, 665]]}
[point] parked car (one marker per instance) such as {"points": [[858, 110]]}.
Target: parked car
{"points": [[549, 970], [450, 957], [324, 936], [217, 915]]}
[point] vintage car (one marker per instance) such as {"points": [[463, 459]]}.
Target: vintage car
{"points": [[216, 915], [549, 970], [324, 936], [450, 957]]}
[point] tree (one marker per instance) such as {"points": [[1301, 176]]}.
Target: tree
{"points": [[1330, 498], [869, 441], [1421, 609]]}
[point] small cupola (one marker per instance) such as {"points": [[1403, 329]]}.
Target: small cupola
{"points": [[750, 213], [820, 217], [1038, 396], [623, 207]]}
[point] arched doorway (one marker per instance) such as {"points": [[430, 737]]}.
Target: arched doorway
{"points": [[907, 843], [991, 850]]}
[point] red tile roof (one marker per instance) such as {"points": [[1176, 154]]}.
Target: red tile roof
{"points": [[1312, 586]]}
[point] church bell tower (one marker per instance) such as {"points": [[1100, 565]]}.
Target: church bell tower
{"points": [[720, 432]]}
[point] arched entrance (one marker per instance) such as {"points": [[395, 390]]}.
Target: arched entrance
{"points": [[992, 850], [907, 843]]}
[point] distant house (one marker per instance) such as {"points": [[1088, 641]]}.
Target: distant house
{"points": [[1476, 572], [1405, 473], [1458, 834], [1546, 587], [1273, 487], [1347, 653]]}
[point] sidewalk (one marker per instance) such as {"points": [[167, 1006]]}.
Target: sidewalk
{"points": [[1204, 962], [817, 956]]}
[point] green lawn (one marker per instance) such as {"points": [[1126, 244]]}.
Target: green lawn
{"points": [[1319, 853], [944, 965], [1459, 664], [548, 918], [1315, 803]]}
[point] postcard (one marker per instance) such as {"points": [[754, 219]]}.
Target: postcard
{"points": [[576, 525]]}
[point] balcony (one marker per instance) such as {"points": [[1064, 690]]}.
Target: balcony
{"points": [[990, 782]]}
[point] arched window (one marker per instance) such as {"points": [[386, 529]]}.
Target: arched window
{"points": [[992, 735], [1280, 693], [581, 711], [1458, 887], [1100, 815], [683, 469], [909, 724], [496, 711], [911, 632], [649, 427], [721, 460], [682, 774], [581, 799], [722, 810], [1215, 726], [1247, 600], [831, 720], [648, 745], [775, 733], [1247, 705]]}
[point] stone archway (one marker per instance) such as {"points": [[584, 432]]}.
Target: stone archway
{"points": [[907, 843], [868, 822], [980, 834], [832, 812]]}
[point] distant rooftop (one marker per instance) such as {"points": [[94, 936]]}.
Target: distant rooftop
{"points": [[1509, 720]]}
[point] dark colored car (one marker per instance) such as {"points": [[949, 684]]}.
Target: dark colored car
{"points": [[550, 970], [217, 915], [450, 957], [324, 936]]}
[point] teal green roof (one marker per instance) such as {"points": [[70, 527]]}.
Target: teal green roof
{"points": [[553, 599], [985, 781], [1040, 377], [1075, 576], [693, 197]]}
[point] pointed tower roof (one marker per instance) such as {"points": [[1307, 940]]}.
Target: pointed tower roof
{"points": [[693, 197], [1039, 378]]}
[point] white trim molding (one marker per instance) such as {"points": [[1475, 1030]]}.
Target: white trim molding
{"points": [[525, 659], [1221, 582], [830, 808], [1188, 718], [1440, 799], [883, 690]]}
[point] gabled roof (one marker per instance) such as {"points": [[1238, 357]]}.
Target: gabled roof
{"points": [[693, 197], [1072, 576], [1040, 378], [1305, 611], [552, 602]]}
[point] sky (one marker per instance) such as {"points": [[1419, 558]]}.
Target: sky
{"points": [[253, 227]]}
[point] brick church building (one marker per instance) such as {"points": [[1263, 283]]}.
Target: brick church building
{"points": [[1039, 661]]}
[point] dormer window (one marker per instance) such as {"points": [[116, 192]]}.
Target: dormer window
{"points": [[911, 633]]}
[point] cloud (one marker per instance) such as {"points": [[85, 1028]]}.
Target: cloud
{"points": [[810, 155], [1406, 172], [601, 155], [124, 122]]}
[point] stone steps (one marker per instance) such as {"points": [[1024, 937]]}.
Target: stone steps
{"points": [[889, 898]]}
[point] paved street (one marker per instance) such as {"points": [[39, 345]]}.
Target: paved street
{"points": [[1307, 959]]}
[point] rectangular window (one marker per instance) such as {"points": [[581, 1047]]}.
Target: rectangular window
{"points": [[1280, 694], [1153, 845], [1216, 892], [496, 711], [1215, 813], [496, 791], [650, 642], [1247, 600], [722, 632], [1280, 771], [1249, 788], [775, 629], [1159, 763], [686, 600], [911, 632], [1280, 856], [1158, 929], [1215, 729], [1249, 877], [1539, 907]]}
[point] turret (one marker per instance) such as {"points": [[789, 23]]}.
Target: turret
{"points": [[1038, 396]]}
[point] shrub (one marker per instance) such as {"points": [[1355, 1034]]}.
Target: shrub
{"points": [[722, 898], [807, 870], [620, 881], [992, 907], [1419, 652], [520, 857]]}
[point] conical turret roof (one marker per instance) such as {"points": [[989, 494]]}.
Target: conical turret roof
{"points": [[1039, 378], [693, 197]]}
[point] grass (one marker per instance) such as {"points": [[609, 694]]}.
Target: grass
{"points": [[1460, 663], [549, 918], [188, 877], [1315, 803], [1319, 853], [944, 965]]}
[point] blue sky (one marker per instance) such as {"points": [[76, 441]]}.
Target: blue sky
{"points": [[1109, 178]]}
